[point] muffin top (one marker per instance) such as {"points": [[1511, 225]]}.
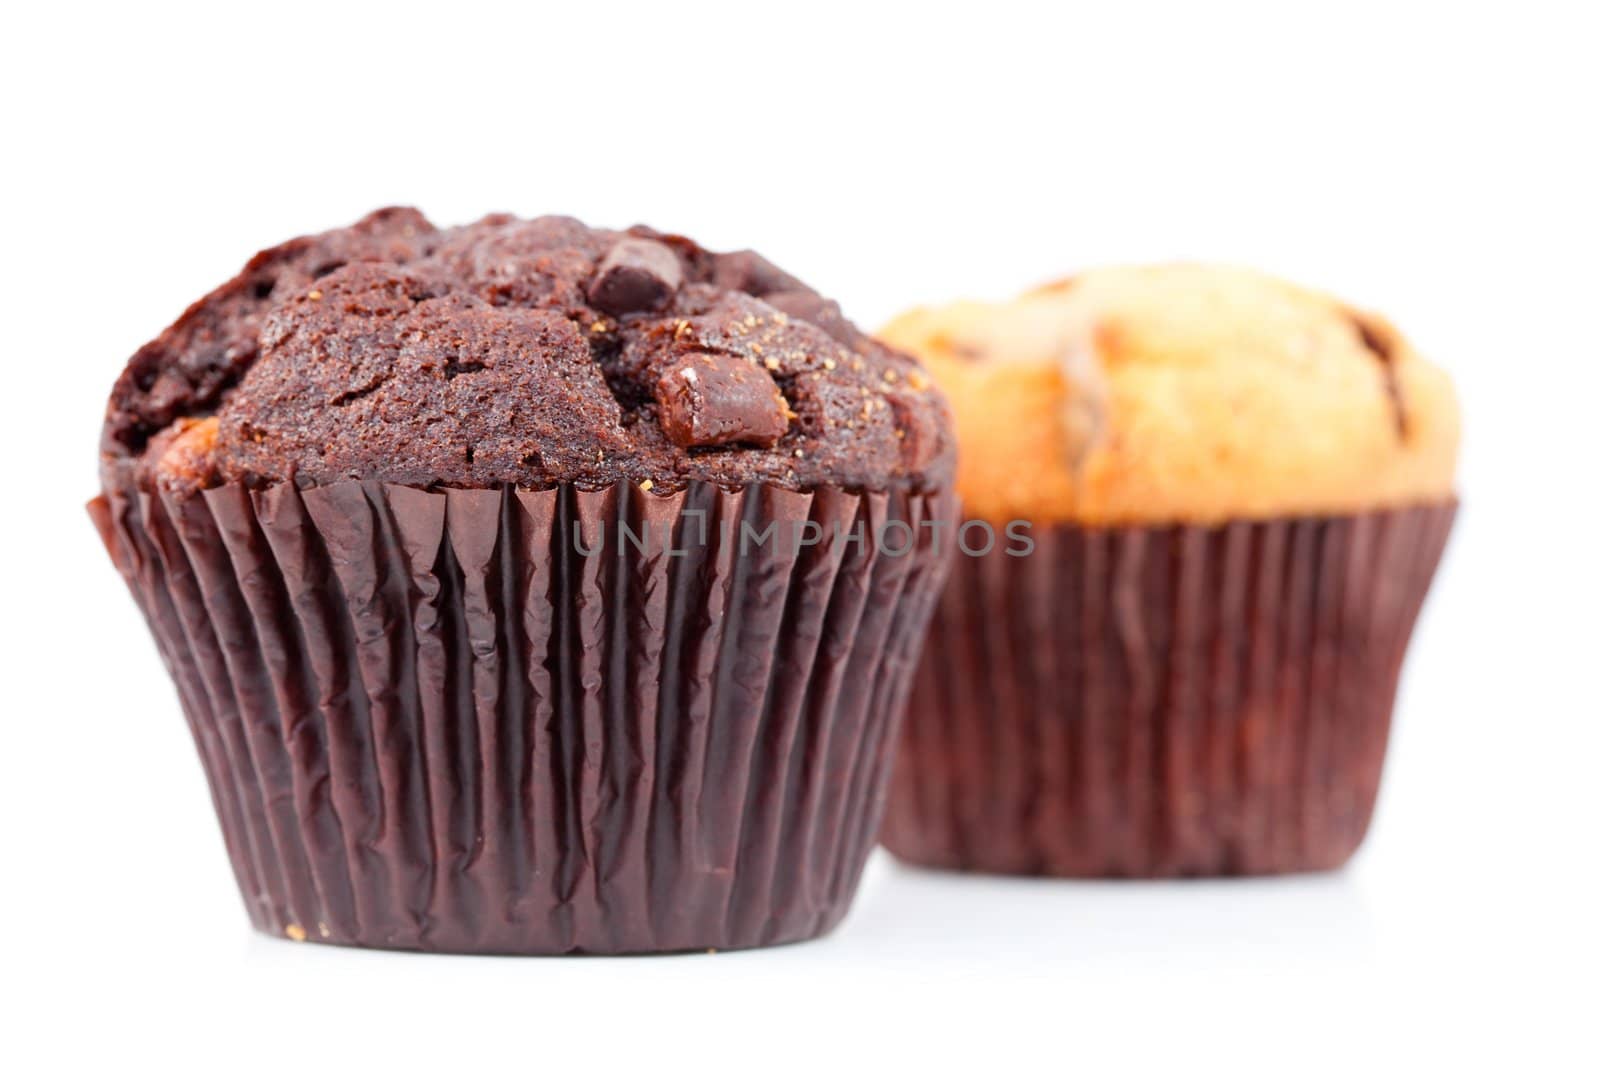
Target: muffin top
{"points": [[1184, 393], [519, 352]]}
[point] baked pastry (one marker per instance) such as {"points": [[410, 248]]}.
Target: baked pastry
{"points": [[1232, 494], [522, 584]]}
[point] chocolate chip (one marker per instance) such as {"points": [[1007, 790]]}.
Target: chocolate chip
{"points": [[636, 275], [1380, 339], [720, 400]]}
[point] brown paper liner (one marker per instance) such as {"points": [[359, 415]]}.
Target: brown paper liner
{"points": [[1162, 701], [459, 720]]}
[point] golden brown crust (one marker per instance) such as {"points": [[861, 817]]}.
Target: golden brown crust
{"points": [[1184, 393]]}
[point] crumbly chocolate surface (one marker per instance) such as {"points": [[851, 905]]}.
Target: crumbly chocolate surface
{"points": [[520, 352]]}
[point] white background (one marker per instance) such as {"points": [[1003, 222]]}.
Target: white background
{"points": [[1437, 164]]}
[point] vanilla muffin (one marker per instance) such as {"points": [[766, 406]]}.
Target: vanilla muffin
{"points": [[1224, 497]]}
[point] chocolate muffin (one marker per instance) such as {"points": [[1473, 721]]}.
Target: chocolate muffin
{"points": [[1228, 496], [531, 588]]}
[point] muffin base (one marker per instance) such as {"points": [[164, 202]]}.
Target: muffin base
{"points": [[1162, 701], [462, 720]]}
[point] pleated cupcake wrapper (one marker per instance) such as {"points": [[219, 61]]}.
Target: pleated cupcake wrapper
{"points": [[1162, 701], [463, 720]]}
